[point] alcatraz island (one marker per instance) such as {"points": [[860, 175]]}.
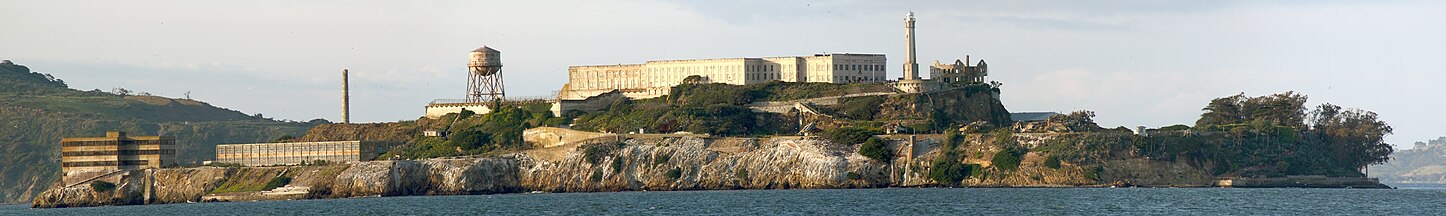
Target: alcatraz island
{"points": [[830, 120]]}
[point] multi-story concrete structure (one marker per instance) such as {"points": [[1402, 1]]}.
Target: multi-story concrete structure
{"points": [[267, 154], [959, 72], [656, 78], [116, 151]]}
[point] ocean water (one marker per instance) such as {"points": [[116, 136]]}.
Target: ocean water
{"points": [[1409, 200]]}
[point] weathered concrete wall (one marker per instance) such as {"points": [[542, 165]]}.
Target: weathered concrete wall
{"points": [[435, 111], [548, 137]]}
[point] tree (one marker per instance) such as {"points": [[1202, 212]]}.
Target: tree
{"points": [[875, 149], [1354, 137], [1284, 109]]}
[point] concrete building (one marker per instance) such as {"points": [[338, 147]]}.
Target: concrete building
{"points": [[656, 78], [116, 151], [959, 71], [268, 154]]}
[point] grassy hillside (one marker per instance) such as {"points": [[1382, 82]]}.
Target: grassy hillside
{"points": [[1426, 163], [37, 110]]}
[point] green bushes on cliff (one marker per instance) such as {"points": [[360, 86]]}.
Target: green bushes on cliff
{"points": [[850, 135], [674, 173], [860, 108], [276, 182], [876, 150], [1052, 162], [102, 186], [1007, 159]]}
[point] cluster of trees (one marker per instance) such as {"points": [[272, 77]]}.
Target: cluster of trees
{"points": [[479, 134], [1277, 135]]}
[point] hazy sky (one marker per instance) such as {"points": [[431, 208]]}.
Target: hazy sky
{"points": [[1139, 62]]}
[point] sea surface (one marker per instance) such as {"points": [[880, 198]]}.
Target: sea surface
{"points": [[1408, 200]]}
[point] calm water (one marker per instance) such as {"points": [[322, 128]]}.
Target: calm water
{"points": [[1410, 200]]}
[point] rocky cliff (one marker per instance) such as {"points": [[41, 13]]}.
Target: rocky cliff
{"points": [[659, 162]]}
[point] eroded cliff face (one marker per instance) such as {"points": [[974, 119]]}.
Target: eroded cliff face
{"points": [[644, 164], [641, 163]]}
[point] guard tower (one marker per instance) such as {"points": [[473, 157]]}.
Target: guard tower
{"points": [[484, 77]]}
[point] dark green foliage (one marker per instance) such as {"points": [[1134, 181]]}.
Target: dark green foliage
{"points": [[715, 108], [1285, 109], [465, 114], [277, 182], [660, 117], [593, 153], [875, 149], [1273, 136], [860, 108], [710, 94], [741, 174], [850, 135], [853, 176], [1052, 162], [660, 159], [939, 121], [1178, 127], [102, 186], [617, 165], [674, 173], [471, 140], [949, 171], [1007, 159], [284, 138], [479, 134], [597, 176], [1093, 172]]}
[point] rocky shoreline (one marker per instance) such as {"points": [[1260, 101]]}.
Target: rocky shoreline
{"points": [[638, 164]]}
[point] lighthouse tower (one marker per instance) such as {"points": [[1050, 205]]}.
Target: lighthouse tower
{"points": [[911, 64], [911, 83]]}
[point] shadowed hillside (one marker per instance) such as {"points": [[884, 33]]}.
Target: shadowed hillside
{"points": [[37, 110]]}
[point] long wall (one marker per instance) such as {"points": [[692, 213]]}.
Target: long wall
{"points": [[656, 78], [267, 154]]}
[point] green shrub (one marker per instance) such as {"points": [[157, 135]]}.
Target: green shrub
{"points": [[860, 108], [1093, 172], [102, 186], [660, 159], [741, 174], [853, 176], [469, 139], [1178, 127], [875, 149], [276, 182], [617, 164], [674, 173], [1007, 159], [948, 171], [1052, 162], [596, 176], [595, 152], [850, 135]]}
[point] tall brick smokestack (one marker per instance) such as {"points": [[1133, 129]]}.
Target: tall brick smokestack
{"points": [[345, 98]]}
